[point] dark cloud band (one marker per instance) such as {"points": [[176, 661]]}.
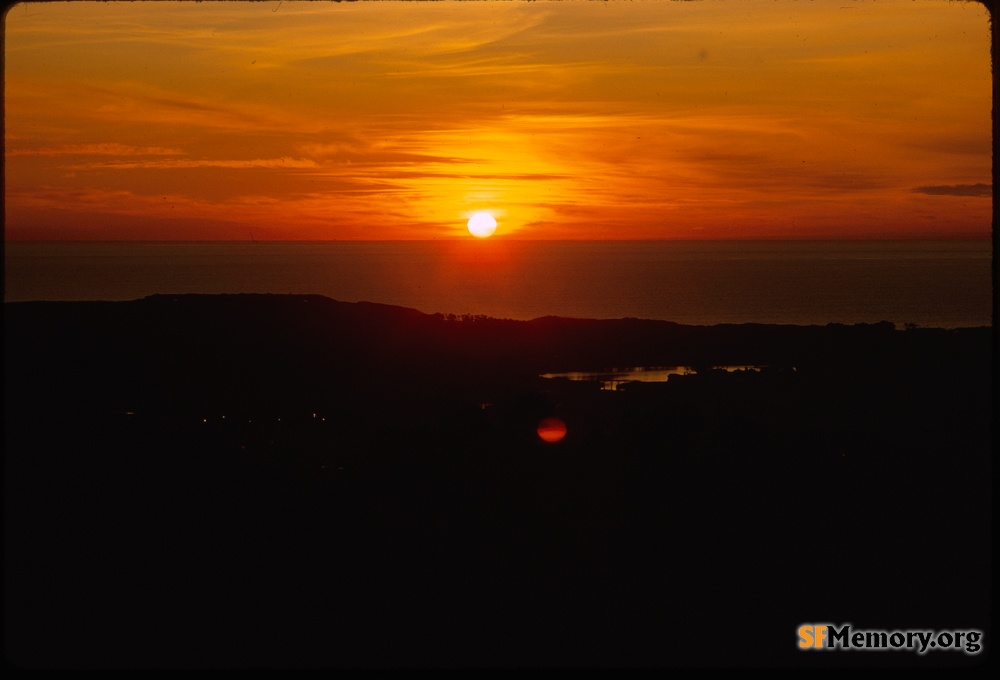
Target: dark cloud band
{"points": [[957, 190]]}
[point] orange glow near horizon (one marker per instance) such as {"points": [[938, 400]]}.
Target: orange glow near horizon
{"points": [[570, 120]]}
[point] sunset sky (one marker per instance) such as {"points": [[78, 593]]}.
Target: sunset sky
{"points": [[575, 119]]}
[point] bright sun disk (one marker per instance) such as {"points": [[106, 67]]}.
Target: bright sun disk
{"points": [[482, 224]]}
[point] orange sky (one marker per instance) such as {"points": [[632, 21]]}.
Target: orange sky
{"points": [[574, 119]]}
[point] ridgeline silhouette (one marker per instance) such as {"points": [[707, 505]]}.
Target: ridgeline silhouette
{"points": [[292, 481]]}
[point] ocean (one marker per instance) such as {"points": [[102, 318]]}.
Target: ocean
{"points": [[943, 284]]}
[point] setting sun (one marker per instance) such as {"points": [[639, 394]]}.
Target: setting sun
{"points": [[482, 225]]}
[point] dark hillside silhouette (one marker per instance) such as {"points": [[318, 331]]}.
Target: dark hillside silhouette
{"points": [[291, 481]]}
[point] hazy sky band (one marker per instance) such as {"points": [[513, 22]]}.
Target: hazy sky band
{"points": [[372, 120]]}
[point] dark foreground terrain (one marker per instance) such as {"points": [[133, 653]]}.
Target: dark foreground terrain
{"points": [[285, 481]]}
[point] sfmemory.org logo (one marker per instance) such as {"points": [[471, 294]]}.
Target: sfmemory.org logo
{"points": [[814, 636]]}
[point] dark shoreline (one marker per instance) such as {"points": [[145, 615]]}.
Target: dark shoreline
{"points": [[288, 481]]}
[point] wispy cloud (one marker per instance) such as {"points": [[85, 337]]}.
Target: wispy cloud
{"points": [[201, 163], [984, 190], [99, 149]]}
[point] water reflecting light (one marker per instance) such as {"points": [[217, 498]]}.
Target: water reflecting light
{"points": [[612, 379]]}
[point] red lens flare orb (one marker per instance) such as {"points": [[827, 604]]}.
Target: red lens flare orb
{"points": [[551, 430]]}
